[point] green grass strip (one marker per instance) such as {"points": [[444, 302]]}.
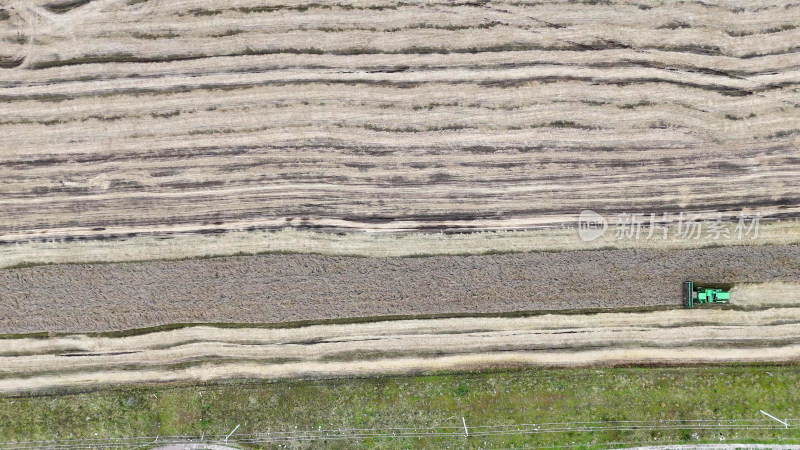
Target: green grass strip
{"points": [[677, 395]]}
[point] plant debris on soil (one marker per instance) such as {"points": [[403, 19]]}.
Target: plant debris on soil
{"points": [[285, 288]]}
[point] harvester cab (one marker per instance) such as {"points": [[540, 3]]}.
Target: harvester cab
{"points": [[693, 295]]}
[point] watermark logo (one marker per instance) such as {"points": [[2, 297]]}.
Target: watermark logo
{"points": [[640, 226], [591, 225]]}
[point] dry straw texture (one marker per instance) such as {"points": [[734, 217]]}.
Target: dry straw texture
{"points": [[149, 247], [205, 353], [139, 116]]}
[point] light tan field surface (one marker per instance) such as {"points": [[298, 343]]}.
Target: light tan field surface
{"points": [[764, 294], [193, 245], [158, 118], [141, 130], [405, 346]]}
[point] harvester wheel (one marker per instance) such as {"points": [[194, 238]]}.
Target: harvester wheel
{"points": [[687, 294]]}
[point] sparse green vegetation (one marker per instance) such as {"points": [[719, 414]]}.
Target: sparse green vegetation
{"points": [[410, 129], [742, 33], [166, 114], [228, 33], [540, 396], [783, 133], [659, 124], [674, 25], [593, 102], [452, 27], [735, 117], [634, 105], [63, 7], [565, 124], [204, 12], [154, 36]]}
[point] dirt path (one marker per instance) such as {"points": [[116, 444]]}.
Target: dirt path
{"points": [[407, 346]]}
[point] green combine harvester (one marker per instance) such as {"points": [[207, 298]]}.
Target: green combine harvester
{"points": [[697, 295]]}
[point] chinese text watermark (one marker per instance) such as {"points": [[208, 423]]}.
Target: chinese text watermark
{"points": [[666, 226]]}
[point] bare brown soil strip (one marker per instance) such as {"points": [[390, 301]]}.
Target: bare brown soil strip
{"points": [[283, 288], [204, 353]]}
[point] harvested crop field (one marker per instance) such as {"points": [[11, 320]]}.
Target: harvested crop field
{"points": [[405, 346], [136, 117], [413, 243], [199, 191], [281, 288]]}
